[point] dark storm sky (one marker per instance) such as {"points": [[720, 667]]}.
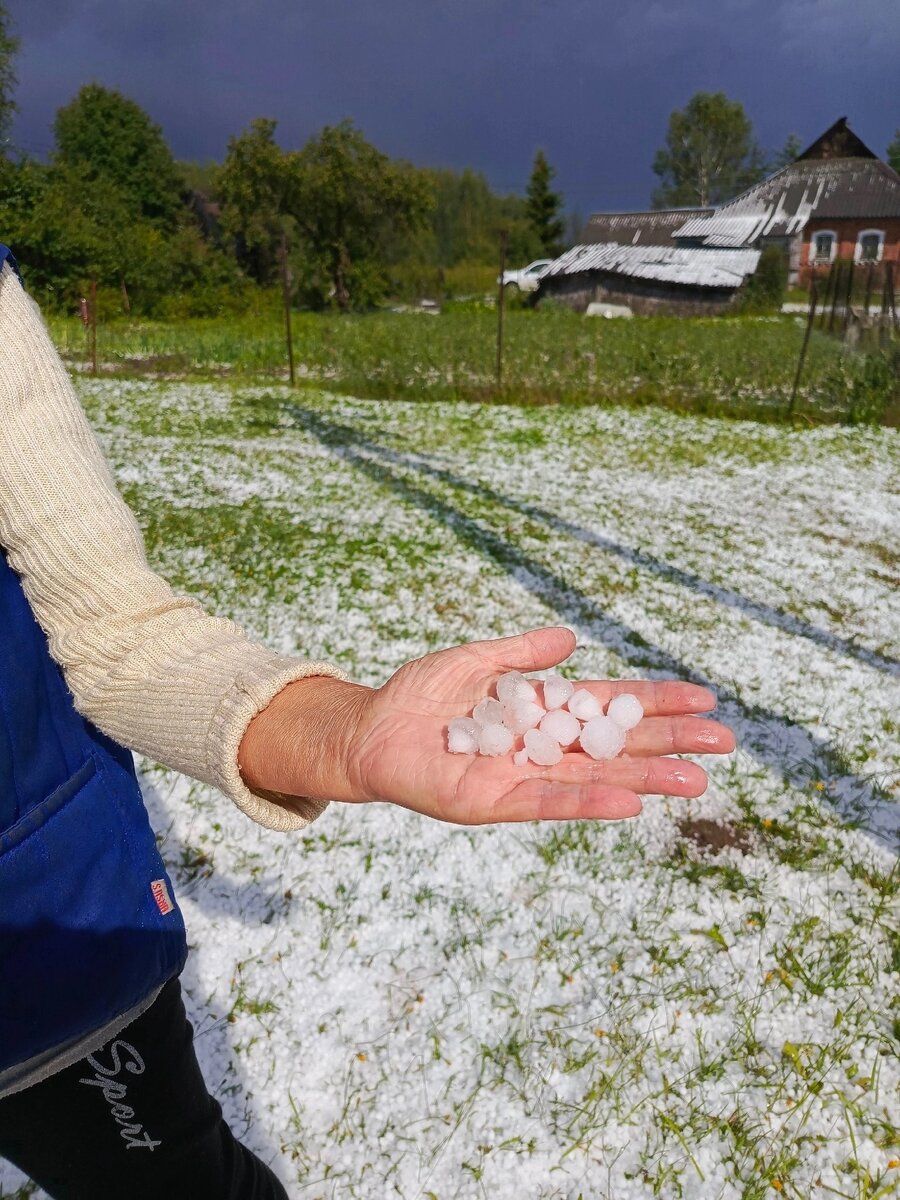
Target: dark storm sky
{"points": [[470, 82]]}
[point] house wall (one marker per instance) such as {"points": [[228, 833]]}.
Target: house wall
{"points": [[847, 233], [644, 297]]}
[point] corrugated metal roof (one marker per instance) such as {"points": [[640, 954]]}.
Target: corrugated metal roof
{"points": [[689, 265], [810, 189], [654, 228]]}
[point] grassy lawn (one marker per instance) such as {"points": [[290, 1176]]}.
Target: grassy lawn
{"points": [[733, 367], [698, 1003]]}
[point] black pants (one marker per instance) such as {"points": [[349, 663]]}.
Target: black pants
{"points": [[133, 1121]]}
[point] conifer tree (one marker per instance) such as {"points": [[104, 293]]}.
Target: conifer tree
{"points": [[893, 152], [544, 207], [788, 152]]}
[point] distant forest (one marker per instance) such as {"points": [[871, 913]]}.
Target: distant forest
{"points": [[167, 238]]}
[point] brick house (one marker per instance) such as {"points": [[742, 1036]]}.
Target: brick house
{"points": [[836, 200]]}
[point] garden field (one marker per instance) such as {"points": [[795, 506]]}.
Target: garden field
{"points": [[700, 1004], [732, 367]]}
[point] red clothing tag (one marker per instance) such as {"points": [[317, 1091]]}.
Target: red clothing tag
{"points": [[161, 896]]}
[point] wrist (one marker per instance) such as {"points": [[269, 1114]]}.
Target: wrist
{"points": [[305, 741]]}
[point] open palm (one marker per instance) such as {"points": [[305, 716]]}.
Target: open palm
{"points": [[401, 753]]}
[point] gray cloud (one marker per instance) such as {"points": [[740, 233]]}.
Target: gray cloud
{"points": [[479, 82]]}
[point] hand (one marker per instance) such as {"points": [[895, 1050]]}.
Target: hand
{"points": [[390, 743]]}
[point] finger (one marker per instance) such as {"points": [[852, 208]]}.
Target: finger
{"points": [[556, 800], [532, 651], [646, 776], [659, 697], [577, 787], [678, 735]]}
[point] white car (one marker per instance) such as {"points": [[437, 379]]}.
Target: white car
{"points": [[526, 279]]}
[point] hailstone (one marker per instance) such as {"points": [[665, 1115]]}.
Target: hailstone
{"points": [[626, 710], [584, 705], [562, 726], [462, 736], [519, 715], [557, 691], [488, 712], [514, 686], [602, 738], [542, 749], [495, 740]]}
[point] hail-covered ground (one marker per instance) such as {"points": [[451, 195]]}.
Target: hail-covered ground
{"points": [[702, 1002]]}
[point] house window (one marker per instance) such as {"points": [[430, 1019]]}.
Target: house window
{"points": [[824, 246], [869, 246]]}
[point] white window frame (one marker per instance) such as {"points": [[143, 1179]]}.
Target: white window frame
{"points": [[813, 255], [857, 253]]}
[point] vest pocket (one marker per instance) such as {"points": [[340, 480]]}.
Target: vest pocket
{"points": [[32, 821], [88, 925]]}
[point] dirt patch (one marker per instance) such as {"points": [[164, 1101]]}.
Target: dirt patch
{"points": [[710, 835], [153, 366]]}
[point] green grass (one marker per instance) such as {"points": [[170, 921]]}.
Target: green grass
{"points": [[733, 367]]}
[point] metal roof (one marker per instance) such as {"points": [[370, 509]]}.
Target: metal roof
{"points": [[653, 228], [690, 265], [809, 189]]}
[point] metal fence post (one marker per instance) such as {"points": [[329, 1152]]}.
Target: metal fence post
{"points": [[838, 270], [286, 298], [848, 298], [809, 324], [94, 325]]}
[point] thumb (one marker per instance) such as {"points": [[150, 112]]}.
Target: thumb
{"points": [[532, 651]]}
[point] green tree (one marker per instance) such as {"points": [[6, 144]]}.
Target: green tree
{"points": [[893, 152], [348, 202], [199, 176], [788, 152], [464, 224], [116, 147], [544, 207], [256, 185], [89, 214], [710, 153], [66, 230], [8, 47]]}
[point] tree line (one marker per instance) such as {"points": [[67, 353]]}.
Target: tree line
{"points": [[167, 238]]}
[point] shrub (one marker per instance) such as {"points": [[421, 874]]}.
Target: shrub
{"points": [[765, 290], [411, 280], [873, 384]]}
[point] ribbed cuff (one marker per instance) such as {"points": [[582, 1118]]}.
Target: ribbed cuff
{"points": [[254, 687]]}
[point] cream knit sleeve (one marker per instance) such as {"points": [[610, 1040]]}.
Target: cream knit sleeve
{"points": [[149, 668]]}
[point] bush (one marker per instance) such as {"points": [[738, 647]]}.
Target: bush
{"points": [[873, 384], [765, 290]]}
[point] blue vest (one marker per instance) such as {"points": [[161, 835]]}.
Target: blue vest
{"points": [[88, 923]]}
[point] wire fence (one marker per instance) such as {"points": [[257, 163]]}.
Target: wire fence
{"points": [[856, 302]]}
